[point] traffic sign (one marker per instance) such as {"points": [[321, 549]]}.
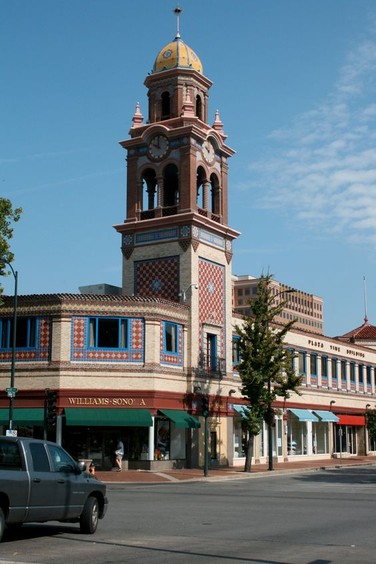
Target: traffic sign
{"points": [[11, 392]]}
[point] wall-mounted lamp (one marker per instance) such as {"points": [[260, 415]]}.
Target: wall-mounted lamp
{"points": [[331, 403], [183, 293], [232, 392], [197, 389], [368, 405]]}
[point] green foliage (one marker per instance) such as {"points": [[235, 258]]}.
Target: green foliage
{"points": [[266, 368], [8, 216], [371, 422]]}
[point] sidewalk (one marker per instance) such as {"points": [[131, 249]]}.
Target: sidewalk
{"points": [[195, 474]]}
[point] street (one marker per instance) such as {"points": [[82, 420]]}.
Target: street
{"points": [[304, 518]]}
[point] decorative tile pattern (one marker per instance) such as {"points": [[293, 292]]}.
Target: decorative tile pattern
{"points": [[80, 351], [212, 296], [157, 278]]}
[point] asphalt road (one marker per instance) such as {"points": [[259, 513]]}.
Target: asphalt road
{"points": [[308, 518]]}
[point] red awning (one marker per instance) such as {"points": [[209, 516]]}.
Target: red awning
{"points": [[351, 420]]}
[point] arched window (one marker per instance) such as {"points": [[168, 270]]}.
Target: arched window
{"points": [[149, 189], [166, 106], [170, 186], [214, 193], [201, 177], [198, 107]]}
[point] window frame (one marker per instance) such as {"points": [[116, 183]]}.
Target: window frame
{"points": [[29, 333], [174, 337], [94, 333]]}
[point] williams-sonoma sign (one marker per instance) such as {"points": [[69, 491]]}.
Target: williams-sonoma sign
{"points": [[105, 402]]}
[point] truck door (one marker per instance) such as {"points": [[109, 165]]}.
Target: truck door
{"points": [[14, 479], [50, 495]]}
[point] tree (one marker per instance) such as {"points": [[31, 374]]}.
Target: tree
{"points": [[266, 368], [8, 216], [371, 423]]}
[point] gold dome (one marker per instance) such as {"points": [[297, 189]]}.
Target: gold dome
{"points": [[177, 55]]}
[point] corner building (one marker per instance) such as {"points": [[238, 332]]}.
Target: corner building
{"points": [[138, 365]]}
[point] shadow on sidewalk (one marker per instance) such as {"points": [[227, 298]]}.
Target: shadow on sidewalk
{"points": [[185, 474]]}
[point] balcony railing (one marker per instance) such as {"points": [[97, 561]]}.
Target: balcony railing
{"points": [[212, 365]]}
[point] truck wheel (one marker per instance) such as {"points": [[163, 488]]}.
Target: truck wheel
{"points": [[2, 523], [89, 516]]}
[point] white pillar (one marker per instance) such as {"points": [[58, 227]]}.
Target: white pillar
{"points": [[151, 441], [309, 438]]}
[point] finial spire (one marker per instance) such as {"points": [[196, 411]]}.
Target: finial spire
{"points": [[365, 300], [178, 11], [138, 118]]}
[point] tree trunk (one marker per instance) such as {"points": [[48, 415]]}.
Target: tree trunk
{"points": [[249, 454]]}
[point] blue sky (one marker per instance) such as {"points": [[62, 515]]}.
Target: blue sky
{"points": [[294, 82]]}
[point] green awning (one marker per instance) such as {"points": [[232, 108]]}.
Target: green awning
{"points": [[182, 419], [243, 410], [107, 417], [23, 416], [304, 415], [326, 416]]}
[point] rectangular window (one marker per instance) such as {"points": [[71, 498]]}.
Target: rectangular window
{"points": [[324, 366], [235, 350], [26, 333], [108, 333], [352, 372], [302, 362], [369, 372], [343, 370], [171, 338], [334, 370], [360, 374], [211, 351], [313, 364]]}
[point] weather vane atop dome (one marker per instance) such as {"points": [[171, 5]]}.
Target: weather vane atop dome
{"points": [[178, 11]]}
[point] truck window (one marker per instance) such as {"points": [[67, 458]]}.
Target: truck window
{"points": [[39, 457], [10, 458], [61, 461]]}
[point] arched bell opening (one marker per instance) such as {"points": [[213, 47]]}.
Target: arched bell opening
{"points": [[171, 193]]}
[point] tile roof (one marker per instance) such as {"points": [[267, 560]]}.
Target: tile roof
{"points": [[362, 333]]}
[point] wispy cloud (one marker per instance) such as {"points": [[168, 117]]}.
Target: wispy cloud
{"points": [[323, 169]]}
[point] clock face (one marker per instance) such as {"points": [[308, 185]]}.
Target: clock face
{"points": [[208, 151], [158, 147]]}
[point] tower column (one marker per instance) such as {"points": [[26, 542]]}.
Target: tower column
{"points": [[160, 191], [205, 199]]}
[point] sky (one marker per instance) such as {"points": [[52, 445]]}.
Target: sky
{"points": [[295, 85]]}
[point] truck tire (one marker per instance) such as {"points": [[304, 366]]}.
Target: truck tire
{"points": [[2, 523], [89, 516]]}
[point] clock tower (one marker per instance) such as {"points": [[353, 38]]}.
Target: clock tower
{"points": [[176, 242]]}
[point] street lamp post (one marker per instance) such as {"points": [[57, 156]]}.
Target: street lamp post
{"points": [[270, 425], [12, 391]]}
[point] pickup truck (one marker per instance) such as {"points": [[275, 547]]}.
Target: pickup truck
{"points": [[40, 481]]}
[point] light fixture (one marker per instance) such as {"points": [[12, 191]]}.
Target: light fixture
{"points": [[183, 293], [197, 389], [232, 392]]}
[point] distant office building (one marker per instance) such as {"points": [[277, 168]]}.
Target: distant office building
{"points": [[306, 309]]}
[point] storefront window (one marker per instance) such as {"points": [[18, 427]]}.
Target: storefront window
{"points": [[239, 439], [296, 437], [162, 439], [320, 438], [170, 442], [345, 439]]}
